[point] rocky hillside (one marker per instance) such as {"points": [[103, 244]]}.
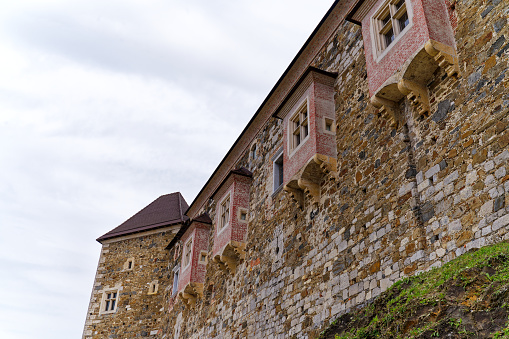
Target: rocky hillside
{"points": [[466, 298]]}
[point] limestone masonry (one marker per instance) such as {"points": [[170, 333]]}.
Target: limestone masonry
{"points": [[381, 152]]}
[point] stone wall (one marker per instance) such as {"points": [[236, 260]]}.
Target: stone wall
{"points": [[138, 311], [404, 198]]}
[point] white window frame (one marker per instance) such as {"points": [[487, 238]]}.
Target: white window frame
{"points": [[184, 253], [332, 123], [176, 275], [126, 264], [203, 254], [299, 127], [241, 211], [224, 209], [106, 306], [380, 47], [278, 171], [153, 287]]}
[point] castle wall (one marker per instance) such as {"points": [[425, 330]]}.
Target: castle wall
{"points": [[138, 312], [404, 198]]}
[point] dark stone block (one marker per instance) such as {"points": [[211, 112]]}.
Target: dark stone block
{"points": [[499, 24], [410, 173], [499, 203], [427, 212], [444, 108], [343, 208], [393, 133], [346, 235], [377, 163], [496, 45], [443, 165], [500, 78], [362, 155], [503, 50], [486, 11], [480, 85]]}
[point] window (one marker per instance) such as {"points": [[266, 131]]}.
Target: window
{"points": [[253, 152], [110, 301], [203, 257], [278, 172], [129, 264], [389, 22], [176, 272], [242, 215], [329, 126], [299, 128], [224, 213], [187, 252], [153, 287]]}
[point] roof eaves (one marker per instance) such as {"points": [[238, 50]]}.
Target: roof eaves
{"points": [[272, 91], [298, 83], [109, 235]]}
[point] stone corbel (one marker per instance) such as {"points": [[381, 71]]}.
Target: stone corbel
{"points": [[191, 293], [417, 94], [296, 194], [327, 164], [233, 254], [311, 188], [444, 55], [388, 109]]}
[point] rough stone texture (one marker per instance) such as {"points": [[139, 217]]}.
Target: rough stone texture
{"points": [[139, 310], [374, 223]]}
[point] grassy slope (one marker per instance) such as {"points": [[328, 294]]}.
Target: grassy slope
{"points": [[466, 298]]}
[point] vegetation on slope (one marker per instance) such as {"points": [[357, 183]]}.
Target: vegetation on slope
{"points": [[466, 298]]}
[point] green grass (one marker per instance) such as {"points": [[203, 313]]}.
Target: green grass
{"points": [[405, 296]]}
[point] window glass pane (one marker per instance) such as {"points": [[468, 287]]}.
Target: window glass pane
{"points": [[403, 21], [112, 305], [389, 37], [107, 306]]}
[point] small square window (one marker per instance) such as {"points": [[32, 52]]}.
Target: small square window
{"points": [[329, 126], [278, 172], [129, 264], [203, 257], [153, 287], [389, 22], [243, 216]]}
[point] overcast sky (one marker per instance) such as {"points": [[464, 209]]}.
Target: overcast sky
{"points": [[106, 105]]}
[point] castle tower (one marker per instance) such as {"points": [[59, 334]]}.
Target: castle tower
{"points": [[127, 297]]}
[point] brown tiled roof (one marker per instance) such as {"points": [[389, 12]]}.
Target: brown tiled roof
{"points": [[203, 218], [164, 211], [239, 171]]}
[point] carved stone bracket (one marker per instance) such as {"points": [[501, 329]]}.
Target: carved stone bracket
{"points": [[388, 109], [307, 181], [191, 293], [296, 194], [412, 78], [444, 55], [233, 254], [417, 94]]}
